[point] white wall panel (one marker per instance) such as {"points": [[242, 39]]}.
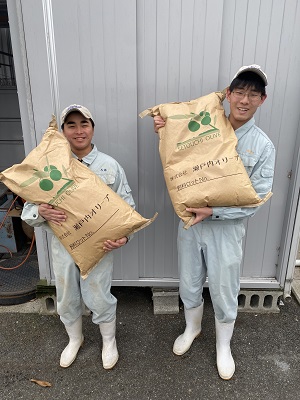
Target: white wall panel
{"points": [[119, 57], [85, 52], [197, 49], [178, 59]]}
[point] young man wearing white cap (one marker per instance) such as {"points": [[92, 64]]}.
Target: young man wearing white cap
{"points": [[212, 247], [77, 125]]}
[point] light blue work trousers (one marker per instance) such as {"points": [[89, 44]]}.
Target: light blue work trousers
{"points": [[72, 291], [211, 249]]}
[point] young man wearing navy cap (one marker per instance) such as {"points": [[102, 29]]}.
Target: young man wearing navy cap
{"points": [[212, 247], [77, 125]]}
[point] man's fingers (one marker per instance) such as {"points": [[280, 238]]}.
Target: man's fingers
{"points": [[110, 245], [192, 210]]}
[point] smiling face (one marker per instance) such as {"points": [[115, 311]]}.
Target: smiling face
{"points": [[245, 94], [79, 131], [243, 104]]}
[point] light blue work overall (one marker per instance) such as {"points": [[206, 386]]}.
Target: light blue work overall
{"points": [[71, 289], [213, 248]]}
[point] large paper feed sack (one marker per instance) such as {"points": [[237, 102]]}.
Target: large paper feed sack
{"points": [[95, 213], [201, 166]]}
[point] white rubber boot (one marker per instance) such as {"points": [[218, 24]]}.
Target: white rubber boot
{"points": [[110, 353], [193, 319], [225, 362], [76, 339]]}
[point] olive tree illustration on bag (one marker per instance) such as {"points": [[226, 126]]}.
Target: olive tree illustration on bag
{"points": [[47, 177]]}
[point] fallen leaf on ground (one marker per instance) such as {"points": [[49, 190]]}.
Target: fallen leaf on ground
{"points": [[41, 383]]}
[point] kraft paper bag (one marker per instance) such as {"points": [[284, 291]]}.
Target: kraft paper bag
{"points": [[197, 147], [95, 213]]}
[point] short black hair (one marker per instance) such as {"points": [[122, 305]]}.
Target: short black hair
{"points": [[247, 80]]}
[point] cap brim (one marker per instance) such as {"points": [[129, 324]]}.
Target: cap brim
{"points": [[75, 110]]}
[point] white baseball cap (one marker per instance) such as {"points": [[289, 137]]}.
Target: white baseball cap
{"points": [[75, 107], [253, 68]]}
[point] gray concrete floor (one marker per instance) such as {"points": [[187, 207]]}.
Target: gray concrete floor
{"points": [[266, 348]]}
